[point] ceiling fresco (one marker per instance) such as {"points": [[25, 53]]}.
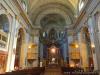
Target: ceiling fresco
{"points": [[58, 12]]}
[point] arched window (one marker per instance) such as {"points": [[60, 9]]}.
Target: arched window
{"points": [[81, 4], [4, 29], [4, 24], [44, 34], [97, 20], [24, 5]]}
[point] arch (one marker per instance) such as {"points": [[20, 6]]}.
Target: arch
{"points": [[4, 30], [4, 23], [47, 9], [68, 6], [87, 41], [66, 17]]}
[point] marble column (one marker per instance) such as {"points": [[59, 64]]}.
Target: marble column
{"points": [[10, 45], [97, 38]]}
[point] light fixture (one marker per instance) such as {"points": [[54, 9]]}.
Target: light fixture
{"points": [[53, 50], [72, 65], [76, 46], [92, 45], [29, 47]]}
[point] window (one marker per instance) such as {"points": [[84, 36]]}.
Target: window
{"points": [[81, 4], [44, 34], [4, 30], [24, 6], [99, 21]]}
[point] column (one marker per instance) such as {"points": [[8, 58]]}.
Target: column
{"points": [[36, 41], [10, 66], [41, 53], [91, 30], [96, 23]]}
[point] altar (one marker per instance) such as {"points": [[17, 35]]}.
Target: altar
{"points": [[53, 56]]}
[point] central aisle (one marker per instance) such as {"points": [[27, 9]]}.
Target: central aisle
{"points": [[52, 71]]}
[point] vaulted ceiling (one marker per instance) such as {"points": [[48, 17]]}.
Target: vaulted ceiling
{"points": [[45, 13]]}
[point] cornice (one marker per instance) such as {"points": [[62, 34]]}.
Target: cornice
{"points": [[81, 15], [79, 19], [22, 12]]}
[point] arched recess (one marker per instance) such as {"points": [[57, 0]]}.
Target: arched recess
{"points": [[87, 41], [19, 47], [4, 30]]}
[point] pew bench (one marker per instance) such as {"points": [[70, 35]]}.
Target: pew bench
{"points": [[30, 71]]}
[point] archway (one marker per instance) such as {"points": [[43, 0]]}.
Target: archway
{"points": [[53, 27], [19, 48], [52, 47], [89, 48], [4, 30]]}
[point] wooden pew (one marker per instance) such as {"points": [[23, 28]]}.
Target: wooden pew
{"points": [[74, 71], [30, 71], [81, 73], [71, 69]]}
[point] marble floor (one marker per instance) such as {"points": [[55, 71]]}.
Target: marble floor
{"points": [[52, 71]]}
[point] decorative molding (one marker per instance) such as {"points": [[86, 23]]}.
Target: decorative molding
{"points": [[23, 13], [79, 19], [2, 7], [44, 10]]}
